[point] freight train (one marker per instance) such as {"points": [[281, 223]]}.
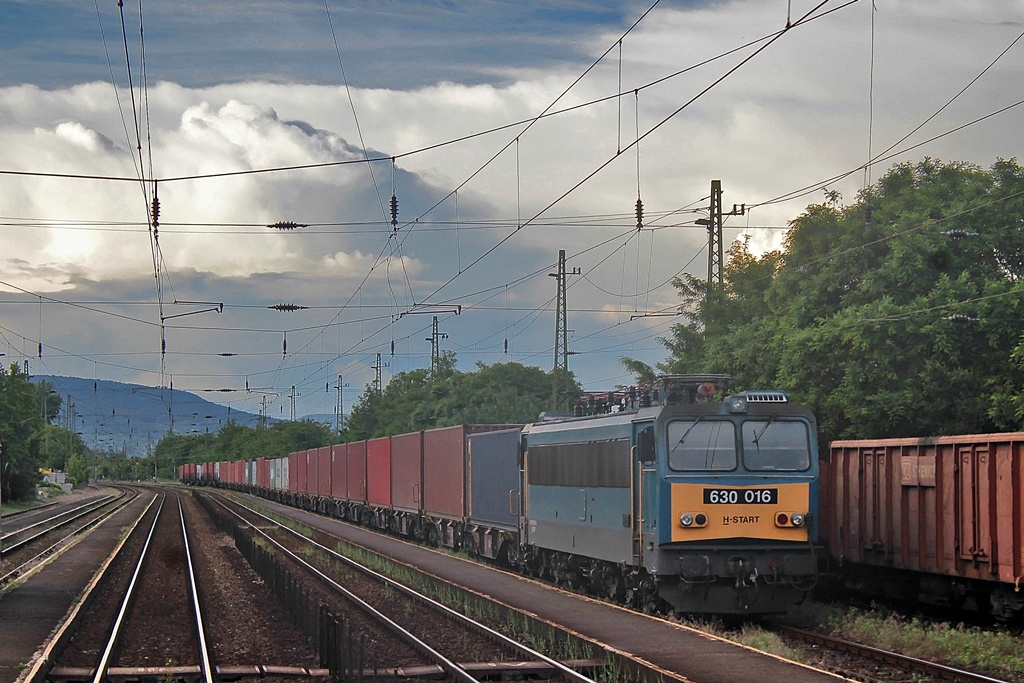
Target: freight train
{"points": [[673, 496]]}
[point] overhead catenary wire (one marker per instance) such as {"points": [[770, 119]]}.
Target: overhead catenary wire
{"points": [[516, 221]]}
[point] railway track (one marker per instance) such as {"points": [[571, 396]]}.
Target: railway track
{"points": [[444, 636], [35, 539], [912, 665], [137, 641]]}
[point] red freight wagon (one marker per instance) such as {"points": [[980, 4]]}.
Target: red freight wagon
{"points": [[378, 472], [312, 471], [263, 472], [323, 471], [356, 472], [444, 469], [949, 506], [407, 472], [339, 471]]}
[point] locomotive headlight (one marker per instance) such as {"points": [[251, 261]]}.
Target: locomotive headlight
{"points": [[686, 519], [738, 404], [797, 519]]}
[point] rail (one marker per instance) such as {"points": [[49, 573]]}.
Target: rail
{"points": [[454, 669], [912, 664], [17, 571], [57, 521]]}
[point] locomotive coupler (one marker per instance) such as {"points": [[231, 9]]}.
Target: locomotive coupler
{"points": [[743, 569]]}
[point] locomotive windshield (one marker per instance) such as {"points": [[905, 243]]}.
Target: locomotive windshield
{"points": [[768, 445], [775, 445], [696, 445]]}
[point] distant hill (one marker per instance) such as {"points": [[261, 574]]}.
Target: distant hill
{"points": [[114, 416]]}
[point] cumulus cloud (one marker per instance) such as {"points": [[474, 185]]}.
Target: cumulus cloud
{"points": [[792, 116]]}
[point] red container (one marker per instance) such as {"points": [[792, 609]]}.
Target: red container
{"points": [[339, 471], [323, 470], [312, 470], [444, 472], [357, 472], [407, 472], [949, 505], [263, 472], [378, 472], [297, 471]]}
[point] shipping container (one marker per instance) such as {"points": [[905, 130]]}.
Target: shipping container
{"points": [[274, 472], [951, 505], [323, 470], [378, 472], [356, 472], [312, 471], [493, 475], [444, 469], [444, 472], [294, 483], [339, 471], [263, 472], [407, 472]]}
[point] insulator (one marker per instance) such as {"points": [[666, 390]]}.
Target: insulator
{"points": [[286, 225], [639, 214], [394, 211], [392, 347], [40, 349], [957, 234], [163, 346], [288, 307], [284, 347], [156, 211], [506, 346]]}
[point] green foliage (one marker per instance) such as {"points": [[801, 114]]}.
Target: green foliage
{"points": [[77, 470], [20, 423], [898, 315], [503, 393], [232, 442]]}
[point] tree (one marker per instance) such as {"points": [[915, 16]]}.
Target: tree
{"points": [[20, 422], [897, 315], [503, 393], [77, 470]]}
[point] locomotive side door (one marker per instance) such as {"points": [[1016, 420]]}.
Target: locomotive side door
{"points": [[644, 486]]}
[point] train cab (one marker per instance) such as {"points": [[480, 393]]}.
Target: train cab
{"points": [[732, 499]]}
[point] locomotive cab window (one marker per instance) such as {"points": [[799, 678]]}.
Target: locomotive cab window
{"points": [[701, 445], [775, 445]]}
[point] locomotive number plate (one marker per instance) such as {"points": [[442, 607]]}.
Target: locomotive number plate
{"points": [[738, 496]]}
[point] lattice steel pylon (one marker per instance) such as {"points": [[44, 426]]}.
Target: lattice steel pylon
{"points": [[715, 250], [560, 371]]}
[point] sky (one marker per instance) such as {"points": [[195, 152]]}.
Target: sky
{"points": [[506, 131]]}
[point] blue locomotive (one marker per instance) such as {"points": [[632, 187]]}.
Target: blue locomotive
{"points": [[676, 497]]}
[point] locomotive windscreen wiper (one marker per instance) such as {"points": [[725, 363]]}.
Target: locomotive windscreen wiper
{"points": [[687, 432], [758, 435]]}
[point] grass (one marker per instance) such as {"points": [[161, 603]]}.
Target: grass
{"points": [[956, 645]]}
